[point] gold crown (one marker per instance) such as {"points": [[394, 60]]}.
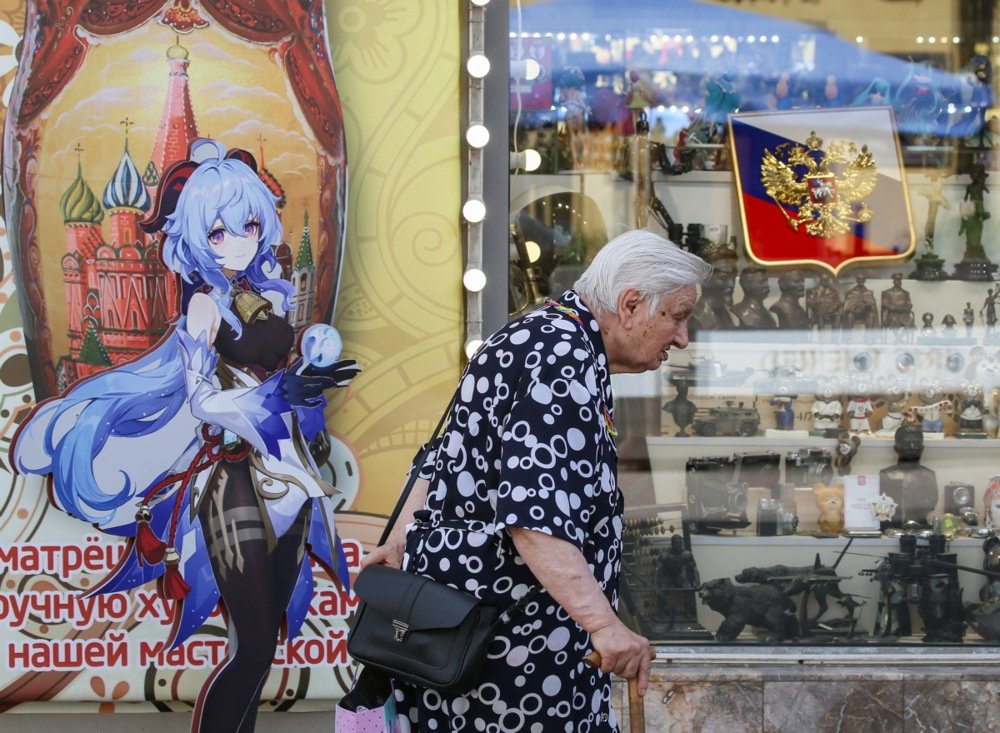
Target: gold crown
{"points": [[711, 251]]}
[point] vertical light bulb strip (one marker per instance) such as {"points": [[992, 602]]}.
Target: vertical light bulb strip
{"points": [[474, 176]]}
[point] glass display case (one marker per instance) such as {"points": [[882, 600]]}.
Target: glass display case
{"points": [[819, 465]]}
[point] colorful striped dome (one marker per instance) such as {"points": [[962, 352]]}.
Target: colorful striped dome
{"points": [[126, 189], [78, 204]]}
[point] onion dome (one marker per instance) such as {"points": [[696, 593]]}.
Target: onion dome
{"points": [[78, 204], [150, 177], [177, 51], [126, 189]]}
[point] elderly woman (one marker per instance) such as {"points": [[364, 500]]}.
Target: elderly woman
{"points": [[520, 492]]}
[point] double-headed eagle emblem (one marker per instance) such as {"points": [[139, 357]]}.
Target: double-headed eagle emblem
{"points": [[822, 191]]}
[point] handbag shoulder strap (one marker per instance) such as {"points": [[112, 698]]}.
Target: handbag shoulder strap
{"points": [[415, 472]]}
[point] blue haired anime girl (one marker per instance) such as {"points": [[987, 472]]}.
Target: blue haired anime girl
{"points": [[197, 450]]}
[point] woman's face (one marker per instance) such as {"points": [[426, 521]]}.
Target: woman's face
{"points": [[234, 253], [646, 342]]}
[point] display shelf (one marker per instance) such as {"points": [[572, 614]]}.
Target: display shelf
{"points": [[738, 379]]}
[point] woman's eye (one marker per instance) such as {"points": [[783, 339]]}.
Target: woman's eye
{"points": [[251, 228], [217, 235]]}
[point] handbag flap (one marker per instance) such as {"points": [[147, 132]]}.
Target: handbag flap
{"points": [[420, 602]]}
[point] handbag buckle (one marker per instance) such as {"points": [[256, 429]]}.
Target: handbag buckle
{"points": [[401, 629]]}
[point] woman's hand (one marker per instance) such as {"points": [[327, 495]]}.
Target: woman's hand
{"points": [[623, 652], [390, 554]]}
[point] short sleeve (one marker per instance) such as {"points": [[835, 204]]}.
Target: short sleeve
{"points": [[549, 472], [426, 468]]}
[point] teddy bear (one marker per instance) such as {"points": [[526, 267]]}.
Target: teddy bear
{"points": [[830, 502]]}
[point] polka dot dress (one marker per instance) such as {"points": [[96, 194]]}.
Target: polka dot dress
{"points": [[529, 444]]}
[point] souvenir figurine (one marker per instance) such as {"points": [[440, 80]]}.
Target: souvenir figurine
{"points": [[925, 574], [928, 265], [830, 505], [826, 411], [750, 312], [573, 97], [968, 318], [817, 580], [680, 408], [927, 329], [949, 325], [712, 311], [991, 504], [936, 200], [877, 93], [976, 100], [758, 605], [782, 91], [933, 405], [989, 310], [823, 303], [859, 308], [985, 617], [677, 580], [919, 108], [895, 412], [784, 416], [912, 486], [788, 307], [721, 99], [970, 418], [859, 411], [897, 306], [975, 265], [847, 447], [639, 98], [831, 93]]}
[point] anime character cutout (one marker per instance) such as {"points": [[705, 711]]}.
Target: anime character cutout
{"points": [[197, 451]]}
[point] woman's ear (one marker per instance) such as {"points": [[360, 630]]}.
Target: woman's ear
{"points": [[629, 302]]}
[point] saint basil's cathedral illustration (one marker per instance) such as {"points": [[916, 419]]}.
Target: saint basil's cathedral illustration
{"points": [[120, 297]]}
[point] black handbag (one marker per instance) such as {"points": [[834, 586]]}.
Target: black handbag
{"points": [[418, 630]]}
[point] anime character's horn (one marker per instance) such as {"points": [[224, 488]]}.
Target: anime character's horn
{"points": [[243, 156], [166, 196], [177, 175]]}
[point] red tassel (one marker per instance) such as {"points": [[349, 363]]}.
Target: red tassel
{"points": [[171, 584], [148, 547]]}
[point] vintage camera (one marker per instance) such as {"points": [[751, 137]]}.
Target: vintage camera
{"points": [[959, 499], [808, 466], [717, 488]]}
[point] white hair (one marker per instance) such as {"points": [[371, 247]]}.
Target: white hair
{"points": [[642, 260]]}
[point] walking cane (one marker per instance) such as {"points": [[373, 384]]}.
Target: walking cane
{"points": [[636, 712]]}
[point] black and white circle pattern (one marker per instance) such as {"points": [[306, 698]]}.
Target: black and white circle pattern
{"points": [[527, 445]]}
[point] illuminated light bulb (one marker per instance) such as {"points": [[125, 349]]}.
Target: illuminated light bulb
{"points": [[477, 136], [474, 279], [474, 211], [532, 160], [533, 250], [527, 69], [471, 347], [480, 3], [528, 160], [478, 66]]}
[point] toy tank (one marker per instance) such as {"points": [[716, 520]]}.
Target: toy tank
{"points": [[732, 419]]}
